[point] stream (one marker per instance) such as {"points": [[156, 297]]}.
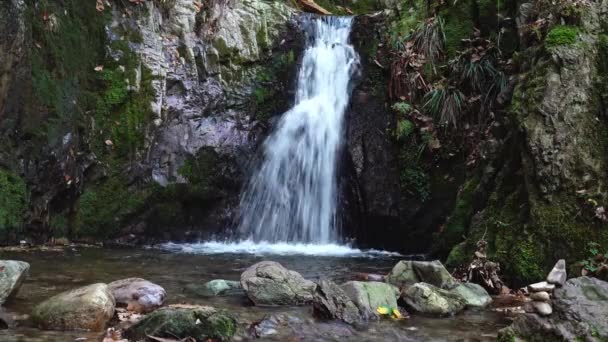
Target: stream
{"points": [[54, 272]]}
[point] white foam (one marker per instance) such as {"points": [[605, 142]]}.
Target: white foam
{"points": [[265, 248]]}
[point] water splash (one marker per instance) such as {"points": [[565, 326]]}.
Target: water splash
{"points": [[292, 196], [266, 248]]}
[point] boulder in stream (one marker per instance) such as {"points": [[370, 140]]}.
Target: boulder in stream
{"points": [[579, 313], [86, 308], [202, 323], [269, 283], [137, 294], [408, 272], [431, 300], [12, 274], [217, 287], [473, 294], [331, 302], [368, 296]]}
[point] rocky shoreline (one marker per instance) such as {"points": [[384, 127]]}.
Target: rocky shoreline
{"points": [[134, 309]]}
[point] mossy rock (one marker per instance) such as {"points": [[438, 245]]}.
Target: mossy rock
{"points": [[12, 201], [202, 323], [86, 308]]}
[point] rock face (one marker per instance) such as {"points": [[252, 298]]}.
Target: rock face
{"points": [[138, 294], [431, 300], [407, 273], [473, 295], [217, 287], [12, 274], [368, 296], [558, 275], [269, 283], [202, 323], [580, 310], [331, 302], [85, 308]]}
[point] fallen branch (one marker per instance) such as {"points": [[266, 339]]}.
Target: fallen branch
{"points": [[311, 6]]}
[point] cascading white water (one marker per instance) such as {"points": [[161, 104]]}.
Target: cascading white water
{"points": [[292, 196]]}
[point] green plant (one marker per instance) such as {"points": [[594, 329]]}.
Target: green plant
{"points": [[445, 104], [404, 129], [429, 39], [561, 35], [596, 264], [12, 201], [402, 107]]}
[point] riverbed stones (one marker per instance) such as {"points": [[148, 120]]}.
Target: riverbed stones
{"points": [[580, 310], [407, 272], [137, 294], [473, 295], [431, 300], [331, 302], [558, 274], [542, 286], [368, 296], [201, 323], [269, 283], [541, 296], [542, 308], [12, 274], [86, 308]]}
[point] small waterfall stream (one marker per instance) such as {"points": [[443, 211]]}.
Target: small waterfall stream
{"points": [[291, 197]]}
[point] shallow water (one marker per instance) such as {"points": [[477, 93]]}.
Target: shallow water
{"points": [[54, 272]]}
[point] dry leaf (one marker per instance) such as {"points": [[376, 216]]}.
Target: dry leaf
{"points": [[99, 6], [99, 68], [109, 142]]}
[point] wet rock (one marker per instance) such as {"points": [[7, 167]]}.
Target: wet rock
{"points": [[432, 300], [580, 309], [473, 294], [269, 283], [541, 296], [368, 296], [12, 274], [558, 274], [331, 302], [543, 286], [86, 308], [217, 287], [542, 308], [272, 325], [408, 272], [202, 323], [138, 295]]}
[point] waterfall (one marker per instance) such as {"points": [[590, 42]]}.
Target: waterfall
{"points": [[292, 196]]}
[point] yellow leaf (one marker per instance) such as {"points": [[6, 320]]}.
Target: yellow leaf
{"points": [[383, 310], [396, 314]]}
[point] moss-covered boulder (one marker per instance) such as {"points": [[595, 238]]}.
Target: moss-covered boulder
{"points": [[201, 323], [407, 273], [473, 295], [86, 308], [368, 296], [12, 274], [428, 299]]}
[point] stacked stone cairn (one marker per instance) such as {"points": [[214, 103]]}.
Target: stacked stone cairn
{"points": [[541, 292]]}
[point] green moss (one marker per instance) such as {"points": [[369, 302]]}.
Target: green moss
{"points": [[561, 35], [404, 129], [458, 256], [457, 224], [459, 21], [104, 208], [13, 202]]}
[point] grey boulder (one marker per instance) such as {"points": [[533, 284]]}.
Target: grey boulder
{"points": [[407, 272], [580, 309], [269, 283], [368, 296], [474, 295], [431, 300], [138, 295], [12, 274], [331, 302]]}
